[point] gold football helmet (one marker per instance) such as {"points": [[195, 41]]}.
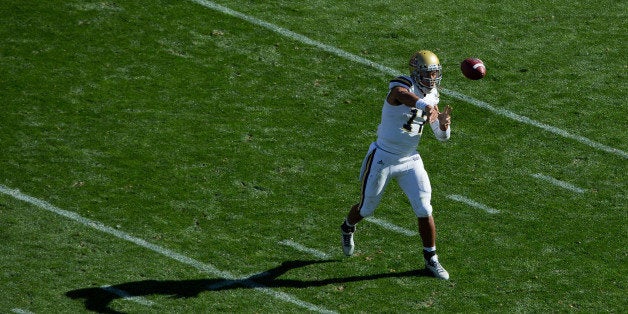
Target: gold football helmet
{"points": [[425, 69]]}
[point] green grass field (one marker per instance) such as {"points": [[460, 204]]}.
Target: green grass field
{"points": [[177, 157]]}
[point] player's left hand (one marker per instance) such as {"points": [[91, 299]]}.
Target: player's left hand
{"points": [[444, 118]]}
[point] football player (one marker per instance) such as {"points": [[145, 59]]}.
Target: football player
{"points": [[411, 103]]}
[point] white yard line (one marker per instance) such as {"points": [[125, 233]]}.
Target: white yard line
{"points": [[206, 268], [559, 183], [21, 311], [387, 225], [541, 125], [302, 248], [352, 57], [472, 203], [126, 296]]}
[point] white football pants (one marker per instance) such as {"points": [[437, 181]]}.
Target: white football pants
{"points": [[379, 167]]}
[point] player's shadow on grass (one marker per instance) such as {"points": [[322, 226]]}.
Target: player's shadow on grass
{"points": [[98, 299]]}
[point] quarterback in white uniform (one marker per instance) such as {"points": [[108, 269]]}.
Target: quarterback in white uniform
{"points": [[411, 103]]}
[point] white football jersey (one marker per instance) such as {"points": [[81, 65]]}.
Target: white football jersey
{"points": [[400, 129]]}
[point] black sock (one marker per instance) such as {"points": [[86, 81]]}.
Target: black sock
{"points": [[427, 255], [346, 228]]}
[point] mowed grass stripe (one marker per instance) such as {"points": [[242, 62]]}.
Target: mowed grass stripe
{"points": [[207, 268], [352, 57]]}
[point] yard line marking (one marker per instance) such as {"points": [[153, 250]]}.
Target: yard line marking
{"points": [[21, 311], [302, 248], [559, 183], [543, 126], [387, 225], [126, 296], [473, 203], [352, 57], [207, 268]]}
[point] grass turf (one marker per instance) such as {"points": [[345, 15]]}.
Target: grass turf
{"points": [[217, 139]]}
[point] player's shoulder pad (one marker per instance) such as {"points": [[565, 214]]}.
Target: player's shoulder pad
{"points": [[403, 81]]}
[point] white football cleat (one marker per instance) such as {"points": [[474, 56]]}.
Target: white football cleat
{"points": [[347, 239], [436, 268]]}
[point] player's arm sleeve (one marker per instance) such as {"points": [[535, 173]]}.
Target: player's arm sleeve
{"points": [[440, 134]]}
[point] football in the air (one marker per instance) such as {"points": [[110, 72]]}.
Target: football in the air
{"points": [[473, 68]]}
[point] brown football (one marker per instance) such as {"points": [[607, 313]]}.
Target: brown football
{"points": [[473, 68]]}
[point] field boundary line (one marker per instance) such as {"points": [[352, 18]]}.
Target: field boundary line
{"points": [[355, 58], [206, 268], [472, 203], [558, 183]]}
